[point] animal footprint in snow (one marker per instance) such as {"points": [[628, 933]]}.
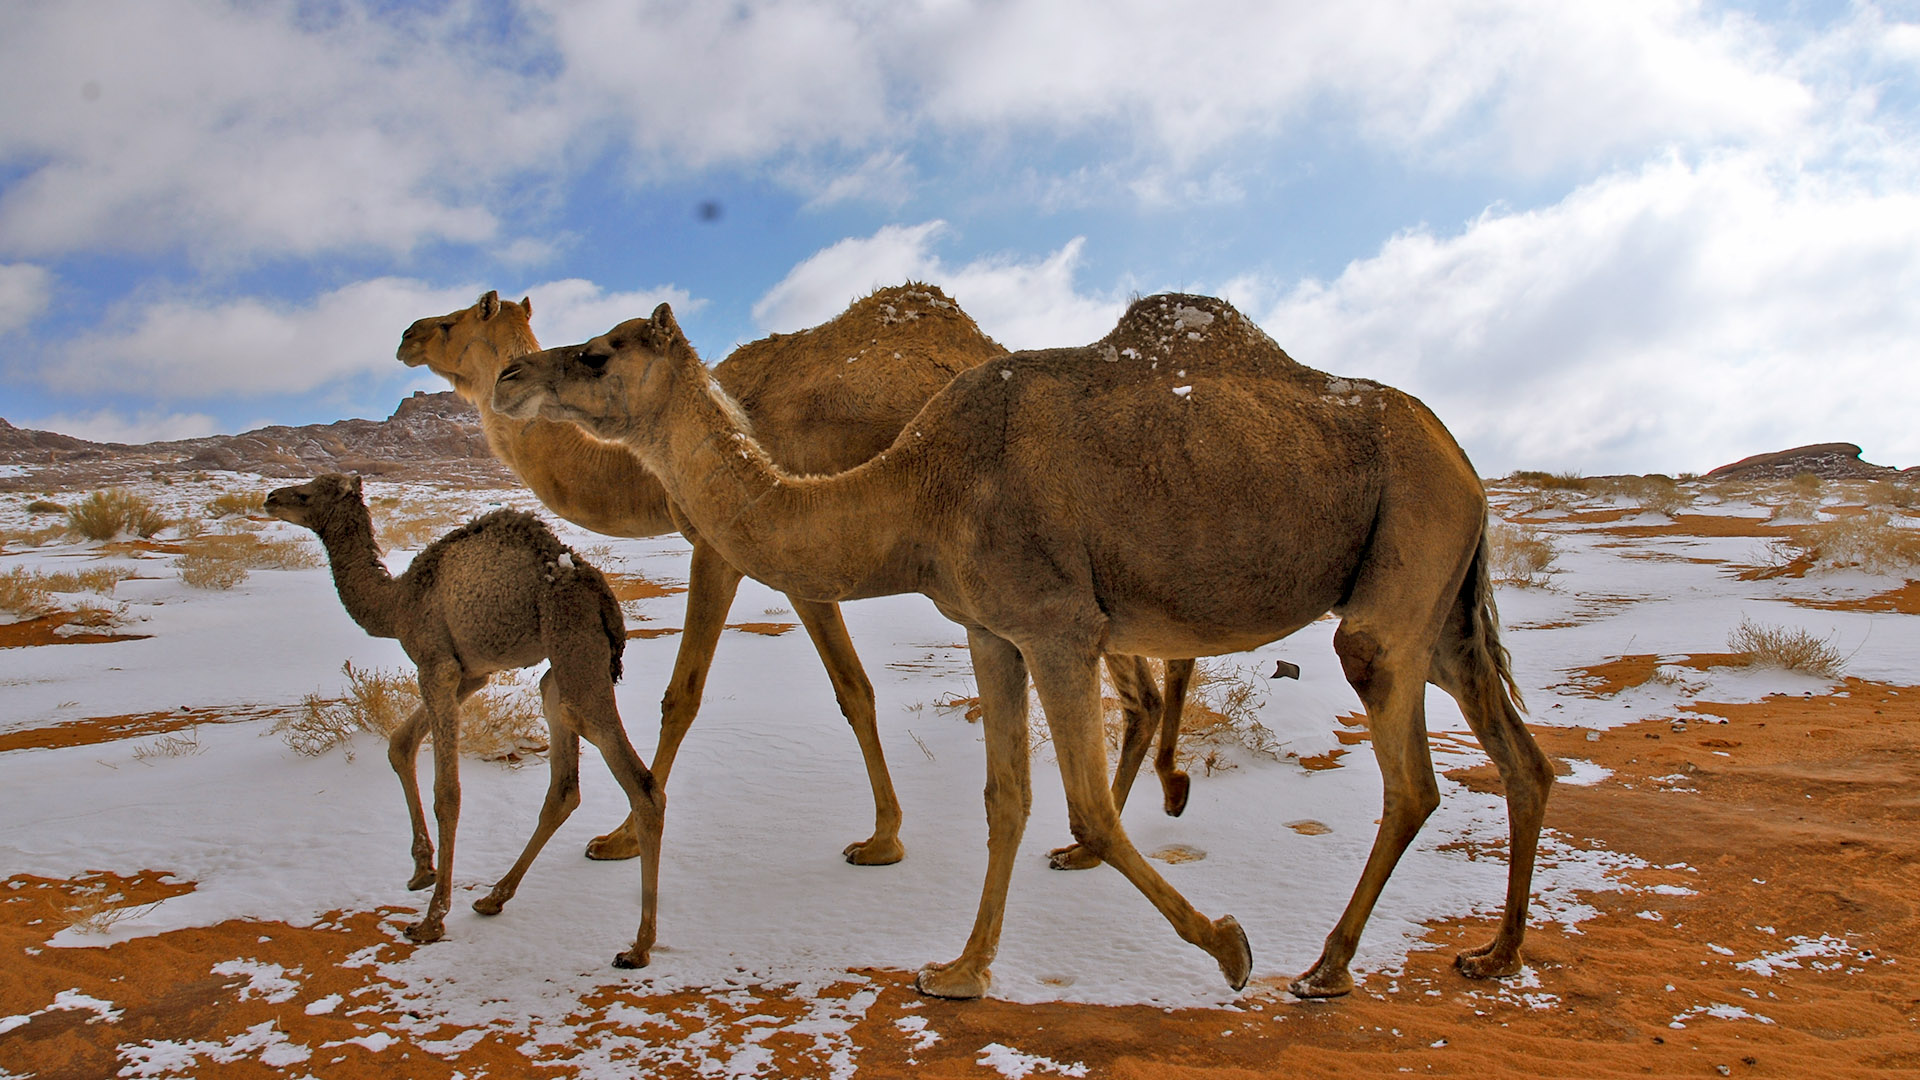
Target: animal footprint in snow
{"points": [[1309, 827], [1178, 853]]}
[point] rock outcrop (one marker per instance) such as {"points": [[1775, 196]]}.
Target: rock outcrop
{"points": [[1828, 461]]}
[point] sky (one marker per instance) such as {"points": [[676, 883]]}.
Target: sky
{"points": [[1630, 236]]}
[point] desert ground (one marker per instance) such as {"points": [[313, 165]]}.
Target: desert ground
{"points": [[205, 856]]}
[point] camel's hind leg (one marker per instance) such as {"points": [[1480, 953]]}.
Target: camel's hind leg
{"points": [[440, 687], [854, 692], [1140, 706], [711, 585], [1069, 686], [1174, 784], [1000, 673], [403, 751], [1469, 664], [563, 794]]}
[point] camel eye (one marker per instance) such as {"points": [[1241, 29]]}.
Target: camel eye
{"points": [[446, 327], [595, 361]]}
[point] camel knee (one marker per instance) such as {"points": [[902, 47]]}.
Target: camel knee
{"points": [[1360, 660]]}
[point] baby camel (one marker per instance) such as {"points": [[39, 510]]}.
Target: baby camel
{"points": [[498, 593], [1179, 488]]}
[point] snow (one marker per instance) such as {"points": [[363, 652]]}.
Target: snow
{"points": [[769, 787]]}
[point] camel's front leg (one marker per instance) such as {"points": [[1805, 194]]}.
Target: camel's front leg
{"points": [[854, 692], [403, 752], [1068, 680], [711, 585], [1001, 675], [440, 693]]}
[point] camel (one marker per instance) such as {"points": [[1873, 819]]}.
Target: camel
{"points": [[1179, 488], [822, 401], [500, 592]]}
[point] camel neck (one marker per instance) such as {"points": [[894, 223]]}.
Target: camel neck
{"points": [[366, 588], [598, 486], [821, 537]]}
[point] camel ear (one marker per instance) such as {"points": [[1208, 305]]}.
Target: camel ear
{"points": [[353, 485], [490, 304], [664, 322], [526, 304]]}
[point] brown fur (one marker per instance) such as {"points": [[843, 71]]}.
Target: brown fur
{"points": [[819, 401], [497, 593], [1179, 488]]}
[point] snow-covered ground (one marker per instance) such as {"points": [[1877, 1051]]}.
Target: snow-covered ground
{"points": [[769, 786]]}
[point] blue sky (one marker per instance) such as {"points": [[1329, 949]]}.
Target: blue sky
{"points": [[1624, 236]]}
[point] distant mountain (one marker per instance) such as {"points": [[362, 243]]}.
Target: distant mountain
{"points": [[429, 436]]}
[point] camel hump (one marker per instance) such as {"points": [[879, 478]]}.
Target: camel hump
{"points": [[1205, 333]]}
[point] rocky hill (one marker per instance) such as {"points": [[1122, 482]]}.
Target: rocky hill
{"points": [[429, 436]]}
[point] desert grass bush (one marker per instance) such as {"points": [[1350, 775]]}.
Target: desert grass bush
{"points": [[1563, 481], [1785, 647], [93, 911], [24, 593], [1869, 542], [177, 744], [405, 527], [28, 593], [46, 506], [1653, 493], [1892, 494], [502, 722], [104, 515], [223, 560], [1223, 713], [1520, 555], [33, 537], [96, 579], [237, 503]]}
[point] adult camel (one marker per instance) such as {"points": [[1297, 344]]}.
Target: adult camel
{"points": [[1179, 488]]}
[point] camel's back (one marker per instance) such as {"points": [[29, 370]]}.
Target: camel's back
{"points": [[1184, 446], [826, 399]]}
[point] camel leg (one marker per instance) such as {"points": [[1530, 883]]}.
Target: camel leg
{"points": [[1139, 705], [1464, 667], [1174, 784], [1069, 686], [1391, 681], [563, 794], [403, 751], [440, 693], [854, 692], [711, 585], [1001, 676]]}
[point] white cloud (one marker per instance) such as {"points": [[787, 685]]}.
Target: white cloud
{"points": [[1674, 318], [24, 292], [241, 130], [575, 309], [1022, 304], [111, 425], [179, 349]]}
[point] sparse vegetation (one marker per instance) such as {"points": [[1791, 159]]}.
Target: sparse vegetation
{"points": [[46, 506], [223, 560], [1564, 481], [167, 746], [403, 529], [1894, 494], [1870, 542], [93, 911], [23, 593], [104, 515], [241, 503], [28, 593], [1521, 555], [503, 722], [1788, 648], [1223, 712], [33, 537], [1653, 492]]}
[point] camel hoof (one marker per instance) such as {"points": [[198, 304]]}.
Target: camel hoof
{"points": [[633, 958], [423, 932], [1230, 948], [1176, 788], [875, 852], [490, 904], [1072, 857], [1321, 982], [953, 981], [613, 847], [1488, 963], [422, 879]]}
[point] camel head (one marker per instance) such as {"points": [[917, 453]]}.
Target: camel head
{"points": [[469, 347], [610, 385], [309, 505]]}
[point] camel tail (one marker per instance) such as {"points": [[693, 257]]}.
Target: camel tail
{"points": [[612, 619], [1484, 617]]}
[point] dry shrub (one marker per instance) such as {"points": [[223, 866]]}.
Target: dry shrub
{"points": [[502, 722], [166, 746], [24, 593], [1653, 493], [104, 515], [1789, 648], [1870, 542], [223, 560], [1895, 494], [242, 503], [46, 506], [93, 911], [33, 537], [405, 528], [1222, 713], [1564, 481], [95, 616], [1520, 555]]}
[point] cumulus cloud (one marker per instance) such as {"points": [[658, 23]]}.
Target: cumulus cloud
{"points": [[1666, 319], [183, 349], [575, 309], [1024, 304], [111, 425], [24, 292]]}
